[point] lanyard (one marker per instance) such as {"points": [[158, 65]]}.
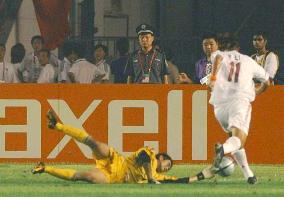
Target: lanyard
{"points": [[3, 73], [149, 64], [100, 62]]}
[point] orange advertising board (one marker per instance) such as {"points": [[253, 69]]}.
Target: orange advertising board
{"points": [[171, 118]]}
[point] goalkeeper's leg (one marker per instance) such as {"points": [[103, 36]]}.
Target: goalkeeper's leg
{"points": [[100, 150], [93, 176]]}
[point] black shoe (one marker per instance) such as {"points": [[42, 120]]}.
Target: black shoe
{"points": [[51, 119], [219, 154], [252, 180]]}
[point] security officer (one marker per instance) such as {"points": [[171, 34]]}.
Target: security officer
{"points": [[147, 65]]}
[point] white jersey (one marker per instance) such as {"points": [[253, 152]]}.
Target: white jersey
{"points": [[47, 74], [235, 78], [84, 71], [8, 73]]}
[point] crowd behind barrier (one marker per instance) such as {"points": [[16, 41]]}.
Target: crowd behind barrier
{"points": [[94, 65]]}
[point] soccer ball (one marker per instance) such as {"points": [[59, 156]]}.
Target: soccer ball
{"points": [[227, 167]]}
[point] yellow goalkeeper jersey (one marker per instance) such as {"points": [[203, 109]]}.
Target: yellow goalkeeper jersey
{"points": [[119, 169]]}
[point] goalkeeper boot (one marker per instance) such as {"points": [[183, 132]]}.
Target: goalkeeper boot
{"points": [[51, 119], [252, 180], [219, 154], [39, 168]]}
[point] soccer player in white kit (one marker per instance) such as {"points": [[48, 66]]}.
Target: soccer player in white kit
{"points": [[233, 90]]}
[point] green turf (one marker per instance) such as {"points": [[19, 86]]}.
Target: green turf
{"points": [[16, 180]]}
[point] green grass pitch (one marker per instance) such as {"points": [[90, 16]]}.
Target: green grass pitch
{"points": [[16, 180]]}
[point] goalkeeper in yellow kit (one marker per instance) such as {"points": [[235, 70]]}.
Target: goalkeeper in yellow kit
{"points": [[143, 166]]}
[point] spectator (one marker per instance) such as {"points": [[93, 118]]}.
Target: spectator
{"points": [[147, 65], [118, 66], [70, 56], [83, 71], [7, 70], [203, 66], [265, 58], [173, 69], [30, 68], [47, 73], [17, 55], [99, 53]]}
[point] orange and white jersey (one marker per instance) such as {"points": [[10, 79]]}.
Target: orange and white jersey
{"points": [[235, 78]]}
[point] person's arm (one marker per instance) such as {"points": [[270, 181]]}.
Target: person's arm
{"points": [[271, 65], [206, 173], [129, 80], [215, 68], [262, 87], [71, 77], [166, 79], [261, 75], [183, 78], [143, 159], [178, 180]]}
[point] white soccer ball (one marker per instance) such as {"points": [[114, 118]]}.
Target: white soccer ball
{"points": [[227, 167]]}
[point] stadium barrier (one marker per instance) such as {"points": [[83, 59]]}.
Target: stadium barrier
{"points": [[171, 118]]}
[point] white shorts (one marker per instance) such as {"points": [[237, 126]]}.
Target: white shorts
{"points": [[236, 113]]}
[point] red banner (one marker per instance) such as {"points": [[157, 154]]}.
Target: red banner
{"points": [[52, 17]]}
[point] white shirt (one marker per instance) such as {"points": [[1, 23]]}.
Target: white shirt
{"points": [[103, 67], [47, 74], [270, 63], [84, 71], [8, 73], [235, 78], [31, 68], [64, 68]]}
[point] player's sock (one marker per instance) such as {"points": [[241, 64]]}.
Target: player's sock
{"points": [[232, 144], [241, 158], [78, 134], [67, 174]]}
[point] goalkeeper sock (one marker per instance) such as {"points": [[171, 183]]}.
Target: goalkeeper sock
{"points": [[67, 174], [241, 158], [78, 134], [232, 144]]}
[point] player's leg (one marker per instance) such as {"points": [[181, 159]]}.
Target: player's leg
{"points": [[93, 176], [237, 123], [100, 150], [241, 159]]}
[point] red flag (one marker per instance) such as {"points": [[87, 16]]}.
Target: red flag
{"points": [[52, 17]]}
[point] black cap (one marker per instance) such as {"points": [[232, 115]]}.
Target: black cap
{"points": [[145, 29]]}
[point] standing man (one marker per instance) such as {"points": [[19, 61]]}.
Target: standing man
{"points": [[99, 53], [70, 56], [30, 69], [233, 90], [265, 58], [83, 71], [7, 71], [47, 73], [118, 65], [147, 65], [203, 66]]}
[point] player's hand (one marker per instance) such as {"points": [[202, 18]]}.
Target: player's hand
{"points": [[153, 181], [183, 78]]}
